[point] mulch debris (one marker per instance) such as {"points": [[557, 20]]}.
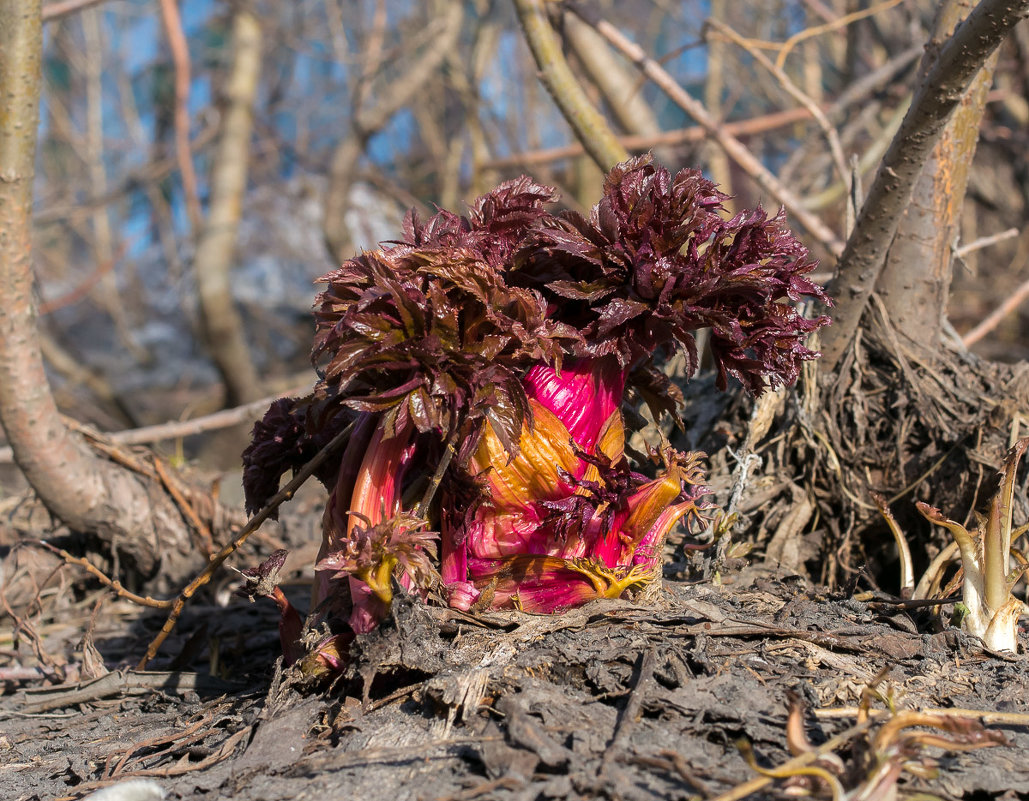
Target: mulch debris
{"points": [[615, 700]]}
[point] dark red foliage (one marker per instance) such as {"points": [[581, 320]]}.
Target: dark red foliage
{"points": [[656, 261], [288, 437], [429, 331], [438, 329]]}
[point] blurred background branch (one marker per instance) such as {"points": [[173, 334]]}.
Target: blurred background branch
{"points": [[175, 247]]}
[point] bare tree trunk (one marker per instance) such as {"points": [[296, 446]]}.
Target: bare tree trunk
{"points": [[954, 68], [85, 492], [915, 283], [616, 82], [586, 122], [718, 164], [222, 323]]}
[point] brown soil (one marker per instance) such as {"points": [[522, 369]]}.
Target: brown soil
{"points": [[617, 700]]}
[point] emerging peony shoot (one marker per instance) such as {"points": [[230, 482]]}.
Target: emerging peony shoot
{"points": [[484, 362]]}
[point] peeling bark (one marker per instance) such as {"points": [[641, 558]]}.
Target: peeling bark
{"points": [[915, 282]]}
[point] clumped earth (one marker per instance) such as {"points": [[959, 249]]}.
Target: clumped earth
{"points": [[618, 699]]}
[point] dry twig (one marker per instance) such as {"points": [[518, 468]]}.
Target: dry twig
{"points": [[733, 147], [1012, 302], [103, 578], [832, 25], [831, 135], [252, 525]]}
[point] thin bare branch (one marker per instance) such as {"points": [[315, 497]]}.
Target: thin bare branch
{"points": [[52, 11], [172, 20], [693, 134], [836, 24], [984, 242], [794, 91], [252, 525], [733, 147], [226, 418], [1012, 302], [103, 578]]}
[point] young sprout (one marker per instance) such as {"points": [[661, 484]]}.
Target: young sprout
{"points": [[907, 570], [483, 362], [992, 611]]}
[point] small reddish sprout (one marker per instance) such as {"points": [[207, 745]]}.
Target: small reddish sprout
{"points": [[877, 756]]}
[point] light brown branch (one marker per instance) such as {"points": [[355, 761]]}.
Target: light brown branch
{"points": [[994, 318], [693, 134], [588, 125], [836, 24], [172, 20], [984, 242], [186, 508], [99, 575], [52, 11], [735, 149]]}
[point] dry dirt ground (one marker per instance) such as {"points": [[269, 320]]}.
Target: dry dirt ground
{"points": [[617, 700]]}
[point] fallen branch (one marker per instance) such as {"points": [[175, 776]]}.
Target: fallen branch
{"points": [[985, 715], [252, 525], [119, 683], [185, 428]]}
